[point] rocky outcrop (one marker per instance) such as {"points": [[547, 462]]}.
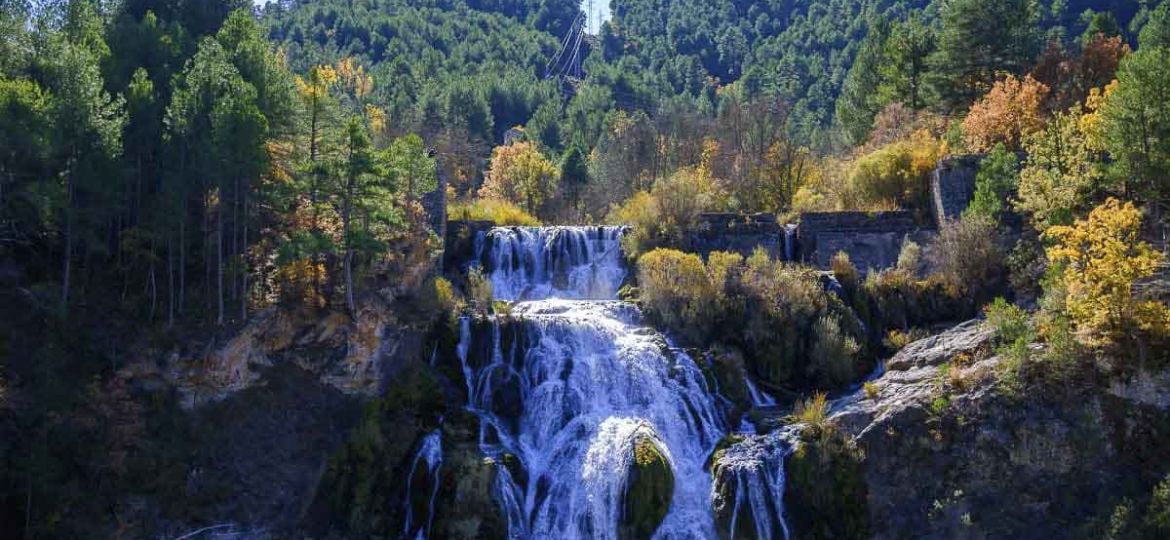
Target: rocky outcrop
{"points": [[352, 355], [952, 451], [649, 491]]}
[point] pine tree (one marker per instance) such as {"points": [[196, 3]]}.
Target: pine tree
{"points": [[979, 39]]}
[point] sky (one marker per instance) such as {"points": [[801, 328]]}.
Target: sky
{"points": [[600, 8]]}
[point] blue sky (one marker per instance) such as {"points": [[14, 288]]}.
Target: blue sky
{"points": [[601, 6]]}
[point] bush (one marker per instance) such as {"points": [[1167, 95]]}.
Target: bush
{"points": [[834, 354], [968, 257], [640, 213], [664, 216], [1102, 257], [813, 412], [910, 258], [479, 291], [437, 295], [844, 270], [1010, 323], [796, 331], [675, 288], [502, 213], [892, 177], [871, 390], [997, 178], [895, 300]]}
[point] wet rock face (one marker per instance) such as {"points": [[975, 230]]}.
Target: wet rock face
{"points": [[649, 491], [353, 355], [979, 462], [465, 508], [749, 482]]}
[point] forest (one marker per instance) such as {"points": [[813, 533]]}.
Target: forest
{"points": [[188, 183]]}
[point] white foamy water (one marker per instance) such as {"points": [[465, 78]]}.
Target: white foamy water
{"points": [[533, 263]]}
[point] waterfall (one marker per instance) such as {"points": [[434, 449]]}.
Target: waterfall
{"points": [[790, 243], [757, 466], [571, 380], [759, 398], [430, 458], [532, 263]]}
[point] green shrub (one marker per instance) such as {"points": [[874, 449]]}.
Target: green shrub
{"points": [[676, 289], [502, 213], [1009, 322], [910, 258], [844, 270], [479, 291], [789, 328], [834, 355], [998, 177]]}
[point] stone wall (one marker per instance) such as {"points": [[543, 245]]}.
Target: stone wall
{"points": [[872, 240], [952, 186], [739, 233]]}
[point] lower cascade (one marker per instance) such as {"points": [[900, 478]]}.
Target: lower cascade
{"points": [[596, 409], [598, 427], [422, 486], [749, 499]]}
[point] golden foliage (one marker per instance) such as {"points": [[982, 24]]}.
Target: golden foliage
{"points": [[353, 77], [814, 412], [1102, 257], [1011, 110], [520, 174], [676, 286], [320, 80], [502, 213], [297, 282]]}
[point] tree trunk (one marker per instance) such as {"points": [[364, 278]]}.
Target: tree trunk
{"points": [[345, 223], [170, 282], [244, 265], [68, 242], [219, 319]]}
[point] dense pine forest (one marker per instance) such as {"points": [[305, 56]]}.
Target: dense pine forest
{"points": [[335, 268]]}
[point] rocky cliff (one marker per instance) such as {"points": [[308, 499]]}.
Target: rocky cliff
{"points": [[951, 450]]}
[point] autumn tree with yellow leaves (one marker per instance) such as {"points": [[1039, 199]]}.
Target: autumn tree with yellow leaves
{"points": [[1101, 258], [520, 174]]}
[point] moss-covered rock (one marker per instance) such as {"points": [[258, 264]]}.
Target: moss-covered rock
{"points": [[825, 496], [649, 491], [466, 508]]}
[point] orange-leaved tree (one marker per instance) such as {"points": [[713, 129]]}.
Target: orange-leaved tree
{"points": [[1012, 109]]}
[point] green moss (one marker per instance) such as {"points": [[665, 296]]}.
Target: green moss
{"points": [[826, 493], [365, 477], [649, 491]]}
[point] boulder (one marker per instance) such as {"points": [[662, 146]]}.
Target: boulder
{"points": [[649, 491]]}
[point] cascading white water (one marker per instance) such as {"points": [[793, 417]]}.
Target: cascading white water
{"points": [[759, 398], [591, 382], [531, 263], [790, 243], [429, 456], [757, 466]]}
